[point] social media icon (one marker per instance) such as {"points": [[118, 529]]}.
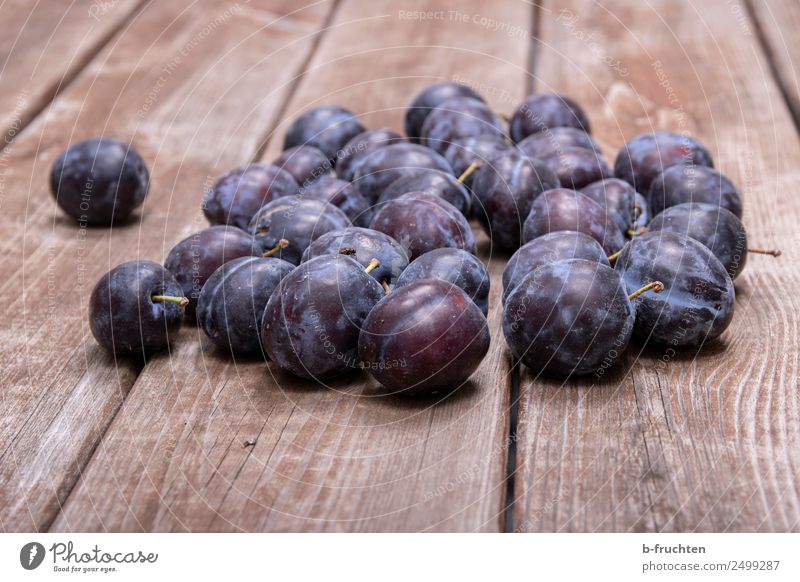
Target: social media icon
{"points": [[31, 555]]}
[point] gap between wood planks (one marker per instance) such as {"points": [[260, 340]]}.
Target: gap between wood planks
{"points": [[70, 74], [771, 58], [326, 24]]}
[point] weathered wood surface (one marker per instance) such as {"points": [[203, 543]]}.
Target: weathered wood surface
{"points": [[345, 458], [686, 442], [44, 45], [197, 442], [776, 24], [170, 84]]}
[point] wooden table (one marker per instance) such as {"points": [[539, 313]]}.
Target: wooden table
{"points": [[194, 441]]}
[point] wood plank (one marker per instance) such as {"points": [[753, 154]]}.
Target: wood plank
{"points": [[776, 24], [338, 459], [171, 84], [683, 443], [44, 47]]}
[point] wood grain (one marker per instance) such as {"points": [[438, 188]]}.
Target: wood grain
{"points": [[203, 443], [776, 25], [170, 83], [44, 46], [685, 442]]}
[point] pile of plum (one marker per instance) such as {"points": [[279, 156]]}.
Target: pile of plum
{"points": [[354, 249]]}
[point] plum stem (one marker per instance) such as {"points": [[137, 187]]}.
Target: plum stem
{"points": [[373, 264], [386, 288], [771, 252], [282, 244], [655, 287], [468, 172], [639, 231], [615, 256], [182, 301]]}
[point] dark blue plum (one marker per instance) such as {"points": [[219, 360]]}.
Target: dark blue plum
{"points": [[549, 248], [363, 245], [385, 165], [327, 127], [131, 309], [232, 302], [546, 111], [99, 181], [459, 118], [429, 99], [618, 199], [356, 150], [305, 163], [312, 321], [504, 192], [698, 298], [194, 259], [454, 266], [425, 337], [647, 155], [718, 229], [237, 195], [569, 318], [553, 139], [423, 222], [343, 195], [577, 167], [441, 184], [289, 225], [562, 209], [482, 148], [680, 184]]}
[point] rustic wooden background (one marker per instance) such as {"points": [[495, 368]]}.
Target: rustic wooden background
{"points": [[693, 442]]}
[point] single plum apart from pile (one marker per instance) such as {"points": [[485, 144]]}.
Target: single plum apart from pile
{"points": [[99, 181], [233, 299], [135, 307], [424, 337], [237, 195], [312, 321], [327, 127], [455, 266], [423, 222], [193, 260], [289, 225], [698, 298]]}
